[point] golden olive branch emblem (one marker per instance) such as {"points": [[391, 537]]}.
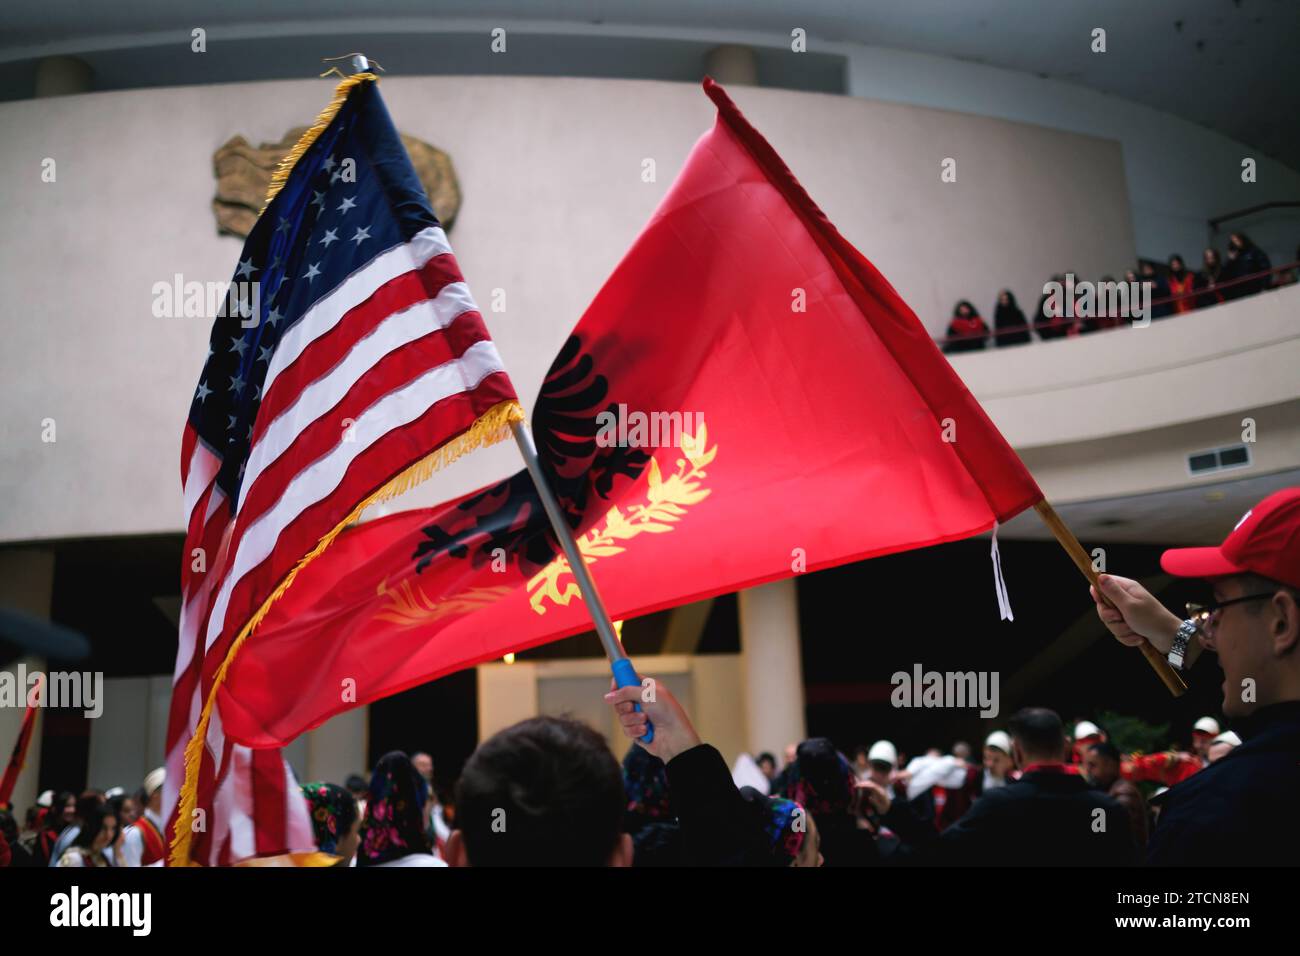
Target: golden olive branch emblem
{"points": [[666, 502]]}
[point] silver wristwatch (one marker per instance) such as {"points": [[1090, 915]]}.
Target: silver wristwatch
{"points": [[1178, 653]]}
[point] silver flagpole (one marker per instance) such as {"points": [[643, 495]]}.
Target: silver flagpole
{"points": [[624, 673]]}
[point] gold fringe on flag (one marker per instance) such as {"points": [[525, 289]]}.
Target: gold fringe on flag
{"points": [[491, 427], [281, 175]]}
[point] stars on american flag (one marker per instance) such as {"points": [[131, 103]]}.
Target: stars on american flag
{"points": [[307, 238]]}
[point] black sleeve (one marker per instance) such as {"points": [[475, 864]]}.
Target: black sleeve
{"points": [[718, 826], [972, 839], [910, 821]]}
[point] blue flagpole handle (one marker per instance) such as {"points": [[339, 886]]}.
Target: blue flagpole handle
{"points": [[625, 676]]}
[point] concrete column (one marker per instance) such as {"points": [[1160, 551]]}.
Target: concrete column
{"points": [[62, 76], [338, 747], [128, 739], [27, 585], [773, 672], [732, 65], [507, 694]]}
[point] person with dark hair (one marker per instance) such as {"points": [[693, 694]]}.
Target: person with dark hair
{"points": [[967, 332], [19, 855], [1182, 282], [334, 820], [393, 831], [1010, 326], [95, 834], [143, 843], [88, 801], [357, 786], [1240, 810], [1050, 320], [61, 814], [121, 805], [767, 763], [791, 834], [127, 807], [1110, 312], [1161, 307], [1048, 817], [1246, 267], [543, 792], [822, 780], [1208, 279], [1102, 768]]}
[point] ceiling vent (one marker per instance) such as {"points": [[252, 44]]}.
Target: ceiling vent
{"points": [[1215, 460]]}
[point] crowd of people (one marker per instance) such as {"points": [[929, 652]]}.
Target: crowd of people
{"points": [[1245, 270], [549, 791]]}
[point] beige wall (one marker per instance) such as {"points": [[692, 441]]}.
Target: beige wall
{"points": [[1116, 414], [551, 172], [1234, 357], [509, 693]]}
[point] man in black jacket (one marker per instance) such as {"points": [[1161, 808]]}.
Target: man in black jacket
{"points": [[718, 826], [1240, 810], [1049, 817]]}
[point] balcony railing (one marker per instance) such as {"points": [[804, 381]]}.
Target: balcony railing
{"points": [[1069, 326]]}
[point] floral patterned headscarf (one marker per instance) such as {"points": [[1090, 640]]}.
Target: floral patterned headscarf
{"points": [[783, 823], [645, 781], [333, 811], [821, 778], [786, 827], [394, 823]]}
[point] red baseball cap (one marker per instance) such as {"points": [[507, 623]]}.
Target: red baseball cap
{"points": [[1266, 542]]}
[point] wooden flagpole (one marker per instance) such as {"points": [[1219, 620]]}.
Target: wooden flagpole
{"points": [[1083, 562]]}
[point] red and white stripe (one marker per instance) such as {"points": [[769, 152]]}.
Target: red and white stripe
{"points": [[388, 367]]}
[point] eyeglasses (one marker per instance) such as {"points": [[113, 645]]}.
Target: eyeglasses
{"points": [[1203, 615]]}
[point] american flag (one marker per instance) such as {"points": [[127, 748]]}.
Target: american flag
{"points": [[351, 361]]}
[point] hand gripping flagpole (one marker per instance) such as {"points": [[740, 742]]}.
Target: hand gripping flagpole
{"points": [[1075, 550], [624, 673]]}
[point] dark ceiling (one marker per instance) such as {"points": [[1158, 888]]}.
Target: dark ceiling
{"points": [[1229, 65]]}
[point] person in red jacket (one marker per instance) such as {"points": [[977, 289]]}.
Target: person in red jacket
{"points": [[967, 332], [1182, 283]]}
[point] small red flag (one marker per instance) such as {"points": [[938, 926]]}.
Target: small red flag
{"points": [[775, 408], [18, 759]]}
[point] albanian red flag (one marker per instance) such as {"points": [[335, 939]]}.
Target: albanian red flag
{"points": [[18, 759], [746, 395]]}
